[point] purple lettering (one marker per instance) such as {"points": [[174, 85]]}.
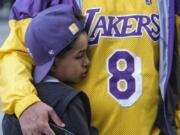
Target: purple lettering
{"points": [[120, 26]]}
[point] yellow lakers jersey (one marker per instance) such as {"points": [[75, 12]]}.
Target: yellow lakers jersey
{"points": [[122, 82]]}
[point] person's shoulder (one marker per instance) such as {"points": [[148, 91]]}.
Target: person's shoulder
{"points": [[27, 8]]}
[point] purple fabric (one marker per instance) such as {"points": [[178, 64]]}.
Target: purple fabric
{"points": [[23, 9], [177, 7], [171, 31], [41, 71]]}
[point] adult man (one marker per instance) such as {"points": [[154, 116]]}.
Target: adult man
{"points": [[130, 59]]}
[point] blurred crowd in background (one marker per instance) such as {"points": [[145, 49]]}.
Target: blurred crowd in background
{"points": [[4, 2], [5, 6]]}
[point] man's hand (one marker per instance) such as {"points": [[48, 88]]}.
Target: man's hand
{"points": [[34, 120]]}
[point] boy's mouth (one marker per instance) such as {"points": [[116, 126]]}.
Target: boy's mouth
{"points": [[84, 74]]}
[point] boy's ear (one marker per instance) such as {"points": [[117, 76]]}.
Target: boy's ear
{"points": [[53, 68]]}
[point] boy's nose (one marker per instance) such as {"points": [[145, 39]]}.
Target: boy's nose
{"points": [[86, 61]]}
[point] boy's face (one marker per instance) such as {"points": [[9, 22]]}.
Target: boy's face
{"points": [[73, 65]]}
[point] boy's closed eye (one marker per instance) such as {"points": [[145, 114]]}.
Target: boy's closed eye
{"points": [[80, 55]]}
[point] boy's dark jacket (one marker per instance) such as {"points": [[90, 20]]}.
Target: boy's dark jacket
{"points": [[61, 97]]}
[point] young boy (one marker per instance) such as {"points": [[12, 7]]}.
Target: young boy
{"points": [[58, 47]]}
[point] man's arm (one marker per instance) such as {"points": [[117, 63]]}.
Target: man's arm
{"points": [[18, 95], [16, 89]]}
